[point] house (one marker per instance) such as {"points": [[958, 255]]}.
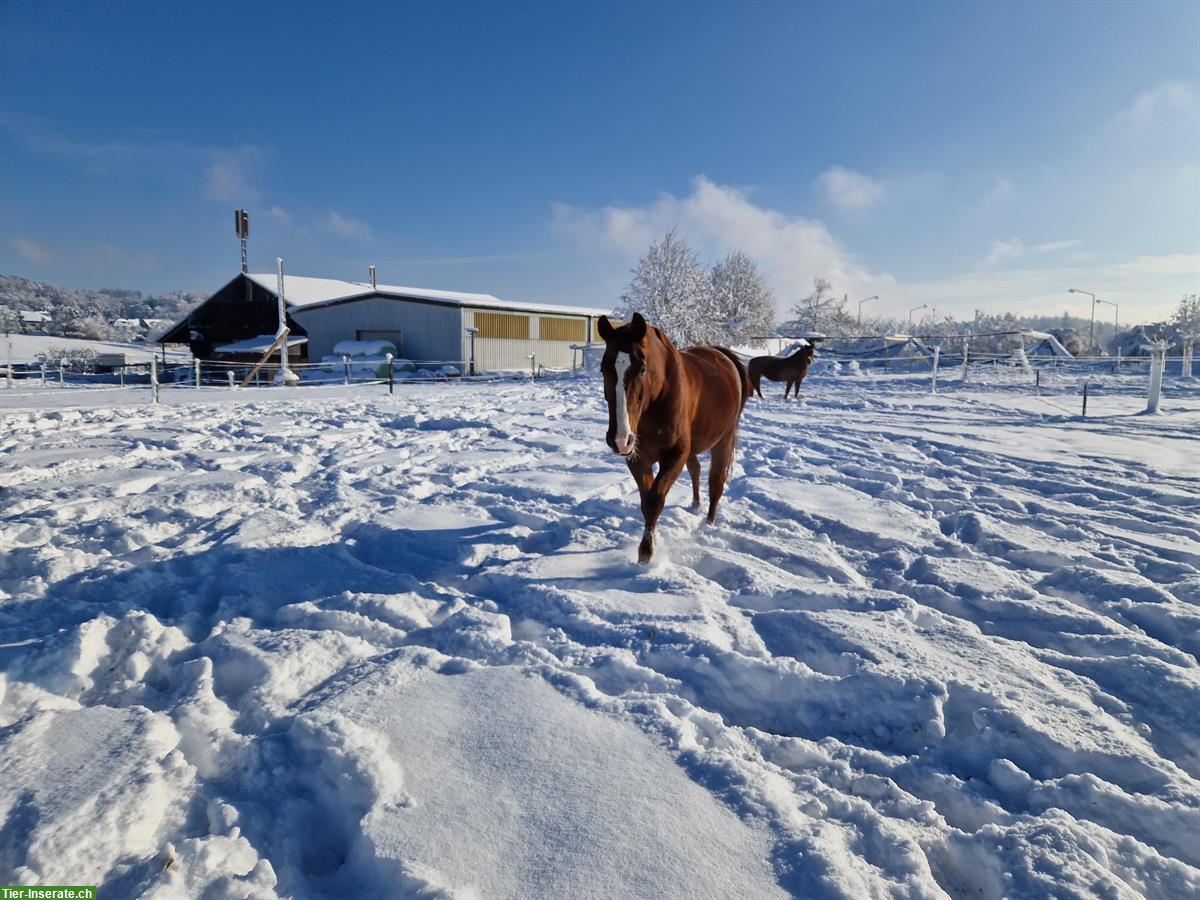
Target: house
{"points": [[471, 332], [33, 320]]}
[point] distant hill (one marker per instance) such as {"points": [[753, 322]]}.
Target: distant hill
{"points": [[91, 313]]}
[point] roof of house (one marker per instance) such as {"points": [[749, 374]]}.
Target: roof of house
{"points": [[305, 291]]}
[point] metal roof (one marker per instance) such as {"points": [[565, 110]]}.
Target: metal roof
{"points": [[300, 291]]}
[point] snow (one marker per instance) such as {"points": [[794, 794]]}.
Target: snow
{"points": [[321, 641], [303, 290], [364, 348], [25, 347], [260, 344]]}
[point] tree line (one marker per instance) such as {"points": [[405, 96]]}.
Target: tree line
{"points": [[730, 303]]}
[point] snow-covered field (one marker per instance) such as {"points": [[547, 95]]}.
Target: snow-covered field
{"points": [[26, 347], [323, 641]]}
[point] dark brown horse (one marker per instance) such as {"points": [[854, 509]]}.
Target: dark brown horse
{"points": [[667, 406], [791, 369]]}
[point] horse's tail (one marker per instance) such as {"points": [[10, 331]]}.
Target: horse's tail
{"points": [[745, 386], [745, 380], [756, 373]]}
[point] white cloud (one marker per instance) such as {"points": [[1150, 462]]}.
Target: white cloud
{"points": [[1172, 264], [1016, 249], [344, 226], [849, 190], [280, 216], [715, 219], [791, 251], [1001, 192], [227, 180], [31, 251], [1165, 102]]}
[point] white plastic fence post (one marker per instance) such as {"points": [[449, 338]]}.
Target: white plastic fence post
{"points": [[937, 351], [1158, 353], [966, 350], [1185, 364], [43, 368], [346, 368], [232, 380], [197, 374], [122, 371], [154, 377], [61, 382]]}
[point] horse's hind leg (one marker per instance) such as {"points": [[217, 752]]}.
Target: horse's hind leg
{"points": [[693, 467], [720, 464]]}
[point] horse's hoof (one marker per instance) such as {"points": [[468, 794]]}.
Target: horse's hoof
{"points": [[646, 549]]}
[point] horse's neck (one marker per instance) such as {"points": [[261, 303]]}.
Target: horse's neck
{"points": [[672, 363]]}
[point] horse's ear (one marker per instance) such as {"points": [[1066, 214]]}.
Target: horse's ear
{"points": [[605, 328], [637, 327]]}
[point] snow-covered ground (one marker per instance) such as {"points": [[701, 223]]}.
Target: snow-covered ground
{"points": [[318, 641], [26, 347]]}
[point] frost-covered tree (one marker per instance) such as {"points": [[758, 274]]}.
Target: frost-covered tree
{"points": [[742, 301], [1186, 317], [673, 291], [822, 311]]}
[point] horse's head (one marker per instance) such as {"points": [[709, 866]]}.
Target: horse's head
{"points": [[631, 367]]}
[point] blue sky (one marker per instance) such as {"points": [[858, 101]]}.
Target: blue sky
{"points": [[960, 154]]}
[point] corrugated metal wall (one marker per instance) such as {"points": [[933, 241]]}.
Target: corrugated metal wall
{"points": [[435, 333], [429, 332], [505, 340]]}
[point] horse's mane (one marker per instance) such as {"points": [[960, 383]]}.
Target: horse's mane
{"points": [[662, 336]]}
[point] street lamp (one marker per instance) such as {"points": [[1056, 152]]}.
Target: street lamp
{"points": [[1116, 312], [913, 310], [860, 303], [1092, 328]]}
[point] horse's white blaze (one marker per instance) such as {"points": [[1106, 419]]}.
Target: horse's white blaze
{"points": [[623, 439]]}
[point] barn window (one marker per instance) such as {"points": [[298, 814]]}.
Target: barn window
{"points": [[502, 325], [560, 328]]}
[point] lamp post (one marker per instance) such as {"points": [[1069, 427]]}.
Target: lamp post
{"points": [[860, 303], [913, 310], [472, 332], [1116, 313], [1092, 327]]}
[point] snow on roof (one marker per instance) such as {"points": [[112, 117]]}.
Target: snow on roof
{"points": [[302, 291], [1053, 344], [259, 344]]}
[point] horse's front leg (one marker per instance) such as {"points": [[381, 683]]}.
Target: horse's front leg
{"points": [[669, 467]]}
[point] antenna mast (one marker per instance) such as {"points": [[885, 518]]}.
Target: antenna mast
{"points": [[241, 224]]}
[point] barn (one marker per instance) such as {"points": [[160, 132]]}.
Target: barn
{"points": [[472, 332]]}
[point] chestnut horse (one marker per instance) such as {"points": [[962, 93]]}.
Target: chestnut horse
{"points": [[667, 406], [791, 369]]}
